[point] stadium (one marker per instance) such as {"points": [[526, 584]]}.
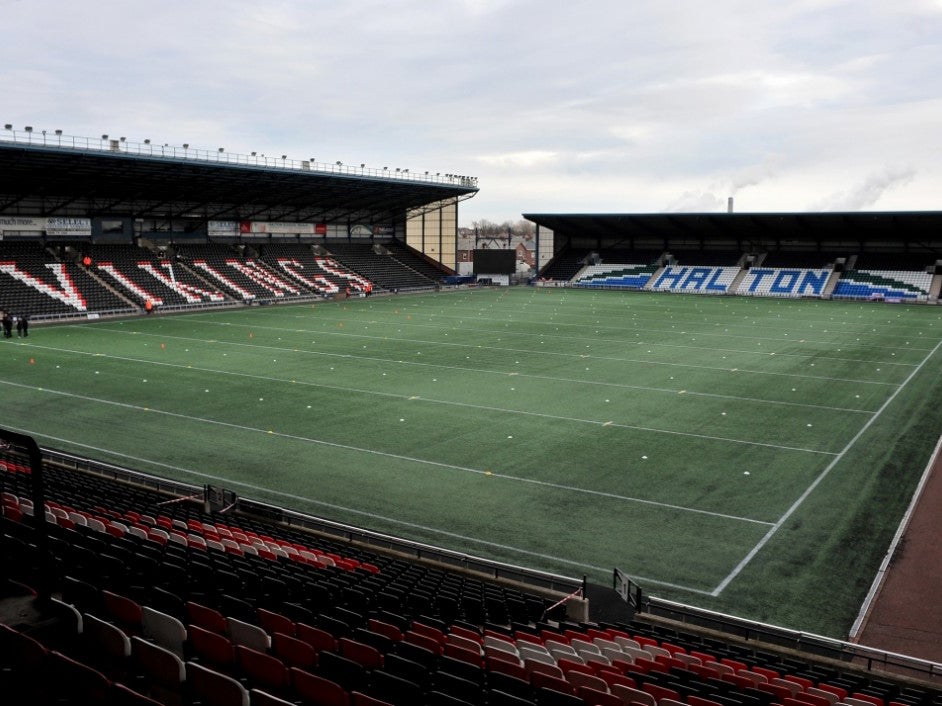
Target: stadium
{"points": [[267, 441]]}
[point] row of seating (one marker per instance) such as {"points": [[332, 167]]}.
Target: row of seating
{"points": [[566, 264], [250, 621], [775, 282], [87, 278], [885, 284]]}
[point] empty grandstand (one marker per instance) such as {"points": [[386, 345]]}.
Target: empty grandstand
{"points": [[122, 586]]}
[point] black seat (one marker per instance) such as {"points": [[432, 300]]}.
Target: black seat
{"points": [[459, 688], [349, 674], [496, 697], [396, 690]]}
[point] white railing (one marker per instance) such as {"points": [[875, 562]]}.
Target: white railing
{"points": [[121, 145]]}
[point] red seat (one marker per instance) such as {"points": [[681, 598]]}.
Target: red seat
{"points": [[660, 692], [734, 663], [513, 669], [428, 631], [568, 665], [423, 640], [124, 611], [164, 671], [365, 655], [534, 667], [611, 678], [316, 637], [212, 648], [780, 692], [293, 652], [839, 691], [460, 653], [208, 618], [540, 680], [804, 699], [75, 681], [466, 633], [272, 622], [766, 672], [594, 697], [801, 681], [262, 670], [384, 628], [875, 700]]}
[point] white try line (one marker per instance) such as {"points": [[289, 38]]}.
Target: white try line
{"points": [[817, 481], [382, 454], [451, 403]]}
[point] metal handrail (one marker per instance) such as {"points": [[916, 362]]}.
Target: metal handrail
{"points": [[121, 145]]}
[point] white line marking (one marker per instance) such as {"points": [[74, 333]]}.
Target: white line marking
{"points": [[397, 361], [384, 454], [531, 351], [343, 508], [466, 405], [791, 510]]}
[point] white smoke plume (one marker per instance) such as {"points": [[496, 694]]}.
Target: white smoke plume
{"points": [[866, 193]]}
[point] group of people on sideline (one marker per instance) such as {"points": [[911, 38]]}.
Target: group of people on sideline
{"points": [[20, 321]]}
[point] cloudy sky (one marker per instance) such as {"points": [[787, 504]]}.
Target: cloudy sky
{"points": [[556, 106]]}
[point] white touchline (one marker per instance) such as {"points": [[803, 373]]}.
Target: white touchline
{"points": [[343, 508], [814, 484], [385, 454]]}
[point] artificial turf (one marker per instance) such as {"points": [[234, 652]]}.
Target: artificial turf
{"points": [[748, 455]]}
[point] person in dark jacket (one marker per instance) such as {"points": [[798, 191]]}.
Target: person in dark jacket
{"points": [[7, 325], [22, 326]]}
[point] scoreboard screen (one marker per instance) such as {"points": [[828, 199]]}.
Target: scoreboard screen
{"points": [[495, 262]]}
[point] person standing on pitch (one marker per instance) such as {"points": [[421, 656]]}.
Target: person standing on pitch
{"points": [[7, 325]]}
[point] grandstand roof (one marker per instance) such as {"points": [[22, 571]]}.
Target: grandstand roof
{"points": [[897, 227], [145, 180]]}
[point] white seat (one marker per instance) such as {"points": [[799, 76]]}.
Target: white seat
{"points": [[242, 633], [627, 642], [164, 629], [527, 656], [502, 645]]}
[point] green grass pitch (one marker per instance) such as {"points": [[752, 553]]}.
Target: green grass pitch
{"points": [[752, 456]]}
